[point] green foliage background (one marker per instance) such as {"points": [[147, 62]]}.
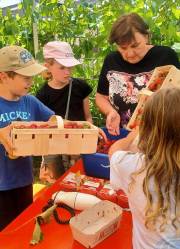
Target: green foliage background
{"points": [[86, 25]]}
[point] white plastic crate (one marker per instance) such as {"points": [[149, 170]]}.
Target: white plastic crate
{"points": [[51, 141], [95, 224]]}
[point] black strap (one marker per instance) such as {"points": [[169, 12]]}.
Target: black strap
{"points": [[55, 213], [68, 100]]}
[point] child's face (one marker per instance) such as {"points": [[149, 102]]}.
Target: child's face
{"points": [[17, 86], [60, 73]]}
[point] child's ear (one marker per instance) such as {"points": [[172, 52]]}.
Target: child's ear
{"points": [[3, 75], [46, 64]]}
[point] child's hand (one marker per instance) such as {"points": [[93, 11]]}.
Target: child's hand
{"points": [[128, 143], [5, 138]]}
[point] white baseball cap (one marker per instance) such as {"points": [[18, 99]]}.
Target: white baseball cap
{"points": [[61, 52]]}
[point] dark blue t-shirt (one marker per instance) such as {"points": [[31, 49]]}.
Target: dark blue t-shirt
{"points": [[15, 173]]}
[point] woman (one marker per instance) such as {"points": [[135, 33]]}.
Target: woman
{"points": [[126, 71], [151, 177]]}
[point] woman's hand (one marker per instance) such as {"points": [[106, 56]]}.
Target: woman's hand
{"points": [[112, 117], [102, 135], [113, 122], [5, 138]]}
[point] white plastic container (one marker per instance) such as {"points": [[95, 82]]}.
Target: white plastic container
{"points": [[76, 200], [95, 224]]}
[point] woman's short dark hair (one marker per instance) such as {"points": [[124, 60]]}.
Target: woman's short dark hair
{"points": [[124, 28]]}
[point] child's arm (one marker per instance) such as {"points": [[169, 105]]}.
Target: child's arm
{"points": [[87, 111], [128, 143], [5, 138]]}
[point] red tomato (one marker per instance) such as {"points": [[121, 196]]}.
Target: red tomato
{"points": [[80, 126], [139, 111], [68, 126], [152, 86], [20, 127], [43, 126], [132, 126], [33, 126], [104, 147], [159, 81]]}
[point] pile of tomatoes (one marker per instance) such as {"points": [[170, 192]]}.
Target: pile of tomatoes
{"points": [[76, 125], [157, 81], [103, 147], [45, 125], [34, 126]]}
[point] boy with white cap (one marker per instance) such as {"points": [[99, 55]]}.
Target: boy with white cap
{"points": [[66, 96], [17, 67]]}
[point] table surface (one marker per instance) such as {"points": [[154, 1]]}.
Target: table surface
{"points": [[18, 234]]}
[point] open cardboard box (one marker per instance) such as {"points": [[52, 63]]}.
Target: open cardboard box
{"points": [[95, 224]]}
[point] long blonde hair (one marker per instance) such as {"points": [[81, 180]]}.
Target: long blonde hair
{"points": [[159, 141], [46, 74]]}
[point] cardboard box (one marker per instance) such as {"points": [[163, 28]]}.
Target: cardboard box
{"points": [[107, 193], [122, 199], [71, 182], [91, 185], [51, 141], [95, 224]]}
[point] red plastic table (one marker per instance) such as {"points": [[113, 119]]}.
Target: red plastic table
{"points": [[18, 234]]}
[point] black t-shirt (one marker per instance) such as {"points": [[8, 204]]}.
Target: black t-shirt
{"points": [[121, 80], [56, 99]]}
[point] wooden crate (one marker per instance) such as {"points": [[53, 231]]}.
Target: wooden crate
{"points": [[162, 77], [172, 79], [51, 141], [158, 77], [95, 224], [136, 117]]}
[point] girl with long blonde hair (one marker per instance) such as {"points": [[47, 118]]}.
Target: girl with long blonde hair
{"points": [[151, 176]]}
